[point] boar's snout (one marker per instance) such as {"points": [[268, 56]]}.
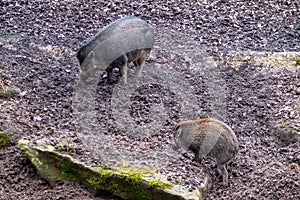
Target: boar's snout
{"points": [[175, 147]]}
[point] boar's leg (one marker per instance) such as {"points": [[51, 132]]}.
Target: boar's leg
{"points": [[124, 70], [198, 159], [139, 63], [109, 72], [195, 149], [223, 171]]}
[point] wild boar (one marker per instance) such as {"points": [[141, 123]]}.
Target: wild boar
{"points": [[129, 39], [207, 137]]}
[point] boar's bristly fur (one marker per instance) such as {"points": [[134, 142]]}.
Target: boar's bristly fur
{"points": [[108, 49], [207, 137]]}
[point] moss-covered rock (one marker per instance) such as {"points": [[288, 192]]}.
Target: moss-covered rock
{"points": [[5, 140], [276, 60], [7, 91], [287, 134], [125, 182]]}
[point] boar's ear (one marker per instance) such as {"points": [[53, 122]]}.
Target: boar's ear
{"points": [[177, 130], [176, 127], [177, 135], [92, 54], [90, 59]]}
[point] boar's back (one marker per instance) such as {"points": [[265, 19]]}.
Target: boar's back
{"points": [[118, 26]]}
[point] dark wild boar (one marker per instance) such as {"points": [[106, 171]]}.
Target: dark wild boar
{"points": [[129, 39], [207, 137]]}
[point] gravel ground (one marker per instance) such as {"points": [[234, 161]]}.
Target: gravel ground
{"points": [[38, 39]]}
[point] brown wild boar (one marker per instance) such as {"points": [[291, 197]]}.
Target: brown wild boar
{"points": [[126, 40], [207, 137]]}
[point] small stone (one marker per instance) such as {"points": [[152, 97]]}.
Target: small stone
{"points": [[37, 119]]}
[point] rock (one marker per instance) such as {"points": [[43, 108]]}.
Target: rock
{"points": [[277, 60], [5, 140], [7, 91], [125, 182], [286, 134]]}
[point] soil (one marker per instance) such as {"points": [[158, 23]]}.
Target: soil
{"points": [[37, 45]]}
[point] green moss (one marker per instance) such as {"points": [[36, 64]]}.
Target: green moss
{"points": [[126, 181], [66, 146], [292, 133], [94, 182], [104, 181], [129, 182], [66, 170], [180, 182], [133, 172], [136, 178], [6, 91], [298, 62], [296, 58], [136, 184], [106, 178], [160, 184], [5, 140]]}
